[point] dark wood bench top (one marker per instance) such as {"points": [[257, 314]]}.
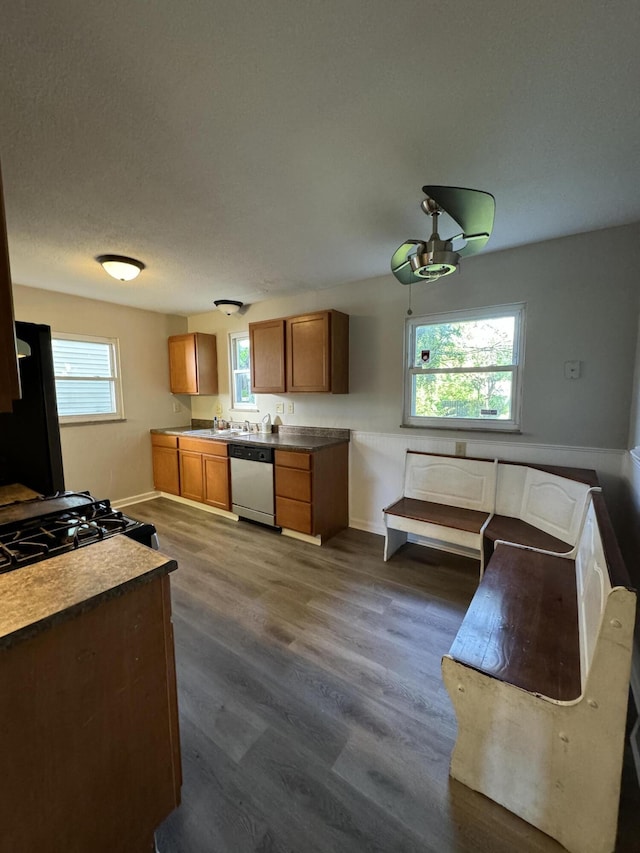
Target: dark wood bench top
{"points": [[435, 513], [522, 624], [515, 530]]}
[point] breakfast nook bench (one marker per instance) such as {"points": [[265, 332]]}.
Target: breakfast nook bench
{"points": [[538, 675]]}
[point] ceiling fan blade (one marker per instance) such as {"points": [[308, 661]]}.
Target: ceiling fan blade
{"points": [[473, 210], [400, 265]]}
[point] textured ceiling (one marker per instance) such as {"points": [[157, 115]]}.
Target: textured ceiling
{"points": [[243, 149]]}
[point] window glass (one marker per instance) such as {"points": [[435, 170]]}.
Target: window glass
{"points": [[240, 361], [87, 378], [464, 369]]}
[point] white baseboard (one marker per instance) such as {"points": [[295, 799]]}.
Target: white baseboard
{"points": [[214, 510], [135, 499]]}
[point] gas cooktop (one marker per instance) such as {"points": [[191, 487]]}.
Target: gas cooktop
{"points": [[37, 529]]}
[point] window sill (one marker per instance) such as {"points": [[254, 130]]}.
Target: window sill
{"points": [[493, 430], [93, 423]]}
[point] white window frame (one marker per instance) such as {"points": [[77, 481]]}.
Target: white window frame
{"points": [[235, 404], [115, 379], [516, 368]]}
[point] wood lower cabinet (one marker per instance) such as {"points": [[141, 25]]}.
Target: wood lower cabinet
{"points": [[217, 488], [191, 476], [193, 468], [9, 376], [304, 354], [193, 364], [89, 730], [312, 490], [166, 470]]}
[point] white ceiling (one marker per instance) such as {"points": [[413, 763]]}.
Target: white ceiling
{"points": [[243, 149]]}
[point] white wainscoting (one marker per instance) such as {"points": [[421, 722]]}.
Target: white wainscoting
{"points": [[376, 467]]}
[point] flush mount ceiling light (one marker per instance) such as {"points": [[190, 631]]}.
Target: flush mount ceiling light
{"points": [[228, 306], [120, 267]]}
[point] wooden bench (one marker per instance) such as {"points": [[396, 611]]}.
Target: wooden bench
{"points": [[447, 502], [538, 675], [465, 505]]}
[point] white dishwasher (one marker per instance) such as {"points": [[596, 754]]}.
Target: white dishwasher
{"points": [[252, 483]]}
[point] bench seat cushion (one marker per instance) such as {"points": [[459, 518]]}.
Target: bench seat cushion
{"points": [[440, 514], [515, 530], [522, 624]]}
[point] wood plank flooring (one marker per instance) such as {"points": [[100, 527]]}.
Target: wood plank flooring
{"points": [[313, 716]]}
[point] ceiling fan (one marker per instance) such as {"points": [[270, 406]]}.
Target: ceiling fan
{"points": [[428, 260]]}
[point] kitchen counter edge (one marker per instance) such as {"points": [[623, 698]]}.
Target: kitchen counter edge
{"points": [[286, 441], [43, 594]]}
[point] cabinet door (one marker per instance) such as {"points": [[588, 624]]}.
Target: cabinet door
{"points": [[193, 364], [267, 357], [191, 480], [216, 481], [308, 353], [9, 376], [183, 376], [166, 476]]}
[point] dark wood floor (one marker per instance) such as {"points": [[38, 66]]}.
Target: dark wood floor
{"points": [[313, 716]]}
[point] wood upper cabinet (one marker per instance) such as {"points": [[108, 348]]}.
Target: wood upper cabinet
{"points": [[166, 472], [312, 490], [9, 376], [303, 354], [267, 357], [193, 364]]}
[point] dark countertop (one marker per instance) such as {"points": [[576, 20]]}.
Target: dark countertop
{"points": [[40, 595], [306, 439]]}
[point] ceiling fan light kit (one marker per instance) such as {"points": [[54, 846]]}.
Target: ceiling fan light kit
{"points": [[120, 267], [429, 260]]}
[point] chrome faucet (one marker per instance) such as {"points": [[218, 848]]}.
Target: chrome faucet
{"points": [[247, 426]]}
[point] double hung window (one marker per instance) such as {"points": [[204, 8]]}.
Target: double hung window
{"points": [[240, 362], [463, 370], [87, 377]]}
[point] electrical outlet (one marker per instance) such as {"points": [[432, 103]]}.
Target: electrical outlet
{"points": [[177, 408], [279, 408], [461, 448], [290, 408], [218, 408]]}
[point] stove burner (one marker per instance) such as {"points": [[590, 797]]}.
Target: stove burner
{"points": [[56, 528]]}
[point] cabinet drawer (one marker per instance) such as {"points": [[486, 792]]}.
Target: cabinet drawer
{"points": [[211, 447], [158, 440], [295, 515], [293, 459], [293, 483]]}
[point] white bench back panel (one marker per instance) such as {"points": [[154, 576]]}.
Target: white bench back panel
{"points": [[453, 481], [511, 480], [554, 504], [593, 587]]}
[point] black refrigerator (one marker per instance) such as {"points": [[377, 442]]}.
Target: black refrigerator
{"points": [[30, 451]]}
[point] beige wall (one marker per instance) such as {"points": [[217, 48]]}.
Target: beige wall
{"points": [[113, 460]]}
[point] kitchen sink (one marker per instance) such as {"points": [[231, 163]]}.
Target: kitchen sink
{"points": [[213, 433]]}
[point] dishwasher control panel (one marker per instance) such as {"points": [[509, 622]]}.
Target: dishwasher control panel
{"points": [[253, 454]]}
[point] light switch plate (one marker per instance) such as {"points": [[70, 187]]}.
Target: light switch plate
{"points": [[279, 408], [290, 408], [177, 408], [218, 408], [572, 370]]}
